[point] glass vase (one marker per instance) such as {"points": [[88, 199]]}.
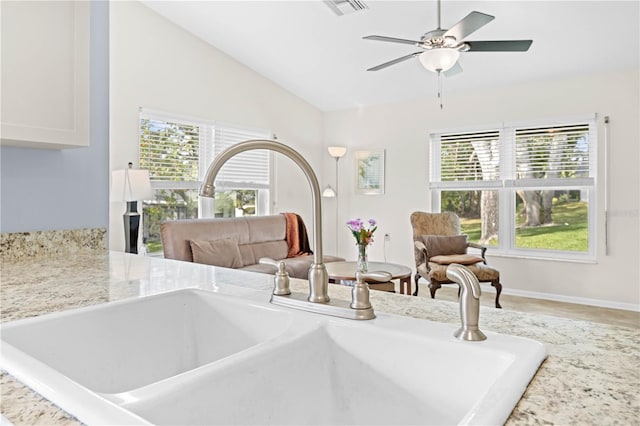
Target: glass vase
{"points": [[362, 258]]}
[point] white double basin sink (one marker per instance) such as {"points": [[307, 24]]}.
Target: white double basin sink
{"points": [[194, 357]]}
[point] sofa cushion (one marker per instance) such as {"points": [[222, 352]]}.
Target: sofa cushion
{"points": [[440, 245], [462, 259], [176, 234], [223, 252], [298, 267], [264, 228], [252, 253]]}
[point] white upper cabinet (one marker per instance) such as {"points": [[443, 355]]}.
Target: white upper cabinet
{"points": [[45, 74]]}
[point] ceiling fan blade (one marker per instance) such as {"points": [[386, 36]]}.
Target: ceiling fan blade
{"points": [[395, 61], [499, 46], [469, 24], [454, 70], [391, 39]]}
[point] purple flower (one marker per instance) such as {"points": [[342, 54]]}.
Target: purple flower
{"points": [[363, 236], [355, 224]]}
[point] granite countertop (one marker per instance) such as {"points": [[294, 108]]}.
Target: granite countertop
{"points": [[592, 374]]}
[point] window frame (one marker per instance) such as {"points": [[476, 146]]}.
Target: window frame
{"points": [[208, 130], [507, 184]]}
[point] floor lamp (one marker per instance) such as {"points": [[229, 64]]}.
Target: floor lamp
{"points": [[131, 185], [336, 152]]}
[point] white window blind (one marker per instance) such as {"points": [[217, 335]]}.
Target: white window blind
{"points": [[178, 150], [557, 152], [171, 149], [469, 156], [248, 170]]}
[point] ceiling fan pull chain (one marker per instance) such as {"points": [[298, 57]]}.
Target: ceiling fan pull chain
{"points": [[440, 88]]}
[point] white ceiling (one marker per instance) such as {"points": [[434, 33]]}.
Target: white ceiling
{"points": [[321, 57]]}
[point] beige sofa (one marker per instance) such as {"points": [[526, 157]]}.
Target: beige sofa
{"points": [[238, 243]]}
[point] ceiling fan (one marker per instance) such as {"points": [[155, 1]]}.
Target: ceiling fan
{"points": [[441, 47]]}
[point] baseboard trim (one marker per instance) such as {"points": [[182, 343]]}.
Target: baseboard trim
{"points": [[566, 299]]}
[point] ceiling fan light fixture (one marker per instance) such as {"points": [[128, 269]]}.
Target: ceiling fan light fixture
{"points": [[449, 41], [439, 60]]}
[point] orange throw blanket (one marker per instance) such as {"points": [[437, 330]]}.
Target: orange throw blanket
{"points": [[296, 236]]}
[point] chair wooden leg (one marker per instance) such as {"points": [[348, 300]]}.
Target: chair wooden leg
{"points": [[416, 278], [498, 287], [433, 286]]}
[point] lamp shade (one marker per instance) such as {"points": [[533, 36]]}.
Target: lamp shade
{"points": [[130, 185], [337, 151], [328, 192], [439, 59]]}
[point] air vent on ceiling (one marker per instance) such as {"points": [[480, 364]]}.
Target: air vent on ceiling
{"points": [[342, 7]]}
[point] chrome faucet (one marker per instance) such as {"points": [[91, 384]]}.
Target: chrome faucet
{"points": [[318, 298], [469, 302], [318, 277]]}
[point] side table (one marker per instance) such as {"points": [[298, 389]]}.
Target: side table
{"points": [[339, 271]]}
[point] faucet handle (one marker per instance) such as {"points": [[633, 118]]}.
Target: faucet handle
{"points": [[360, 292], [281, 278], [268, 261]]}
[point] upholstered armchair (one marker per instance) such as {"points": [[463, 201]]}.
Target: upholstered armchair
{"points": [[438, 243]]}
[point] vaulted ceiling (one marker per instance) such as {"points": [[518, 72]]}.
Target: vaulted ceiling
{"points": [[321, 57]]}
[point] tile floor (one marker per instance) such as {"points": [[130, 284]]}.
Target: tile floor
{"points": [[546, 307]]}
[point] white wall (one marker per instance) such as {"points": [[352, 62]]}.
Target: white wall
{"points": [[156, 64], [402, 129]]}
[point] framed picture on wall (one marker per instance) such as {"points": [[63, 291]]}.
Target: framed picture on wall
{"points": [[369, 172]]}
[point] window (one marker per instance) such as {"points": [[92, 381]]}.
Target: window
{"points": [[177, 152], [521, 188]]}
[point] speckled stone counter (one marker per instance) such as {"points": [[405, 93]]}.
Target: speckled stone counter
{"points": [[592, 374], [15, 246]]}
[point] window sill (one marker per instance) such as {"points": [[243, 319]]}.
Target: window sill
{"points": [[543, 258]]}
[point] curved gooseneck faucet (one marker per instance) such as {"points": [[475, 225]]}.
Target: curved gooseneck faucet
{"points": [[318, 277]]}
